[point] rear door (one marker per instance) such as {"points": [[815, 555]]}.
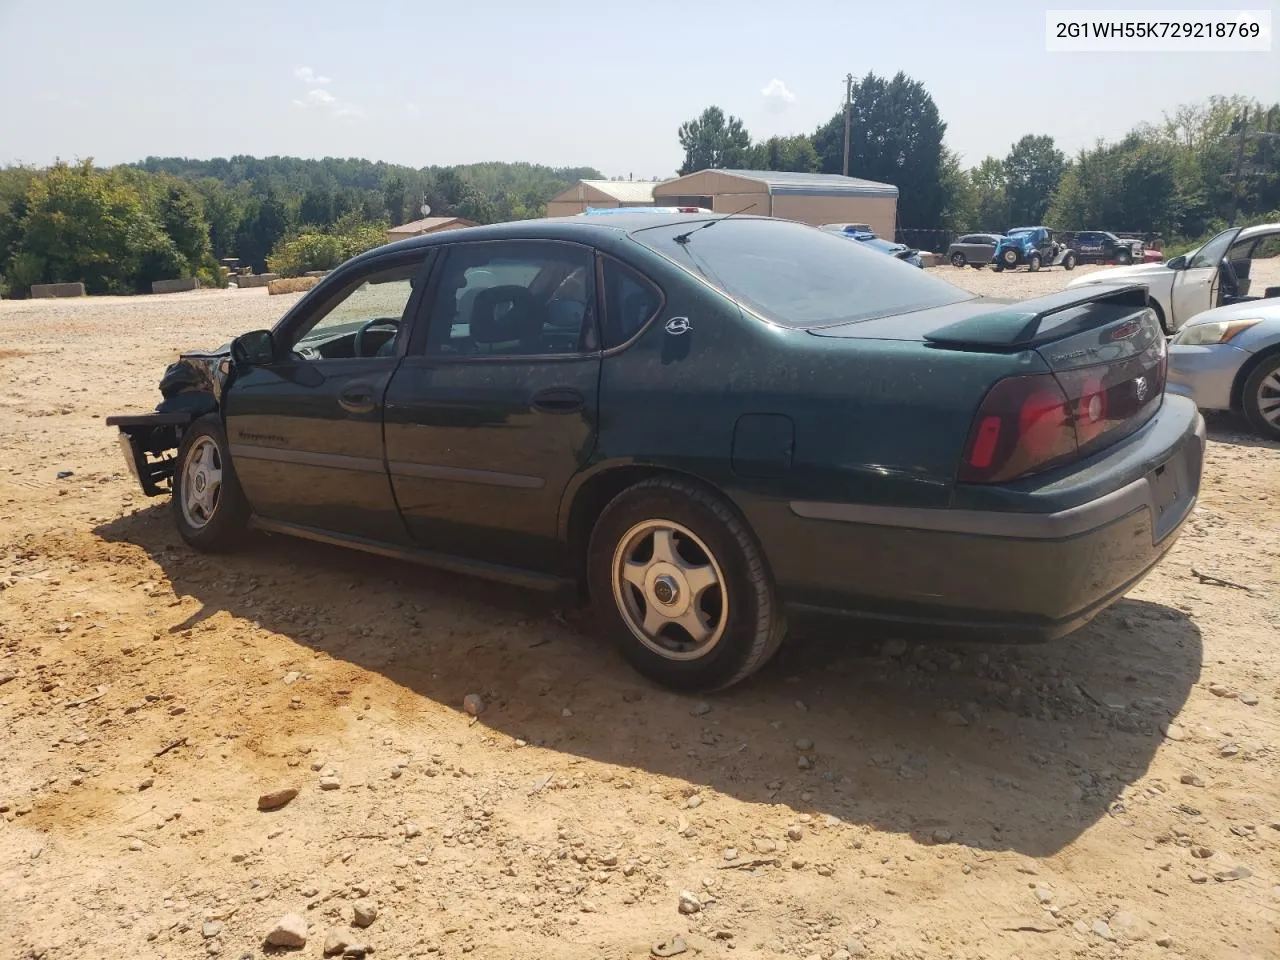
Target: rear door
{"points": [[495, 408], [305, 431], [1196, 285]]}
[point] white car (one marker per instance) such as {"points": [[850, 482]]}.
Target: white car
{"points": [[1229, 359], [1215, 275]]}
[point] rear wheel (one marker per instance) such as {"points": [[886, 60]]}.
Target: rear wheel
{"points": [[208, 505], [679, 583], [959, 259], [1261, 397], [1033, 263], [1069, 262]]}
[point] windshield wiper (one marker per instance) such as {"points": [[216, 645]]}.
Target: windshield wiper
{"points": [[683, 238]]}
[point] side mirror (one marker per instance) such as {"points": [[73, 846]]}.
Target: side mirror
{"points": [[1177, 263], [254, 349]]}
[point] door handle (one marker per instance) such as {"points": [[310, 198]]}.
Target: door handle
{"points": [[559, 400], [357, 398]]}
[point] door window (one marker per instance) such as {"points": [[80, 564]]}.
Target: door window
{"points": [[629, 301], [364, 320], [1210, 255], [513, 298]]}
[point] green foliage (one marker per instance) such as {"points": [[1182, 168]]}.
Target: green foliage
{"points": [[182, 217], [1130, 185], [713, 140], [1031, 173], [351, 235], [796, 154], [265, 221], [95, 228], [896, 137], [308, 251]]}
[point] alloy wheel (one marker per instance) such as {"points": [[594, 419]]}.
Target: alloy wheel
{"points": [[670, 590], [201, 482]]}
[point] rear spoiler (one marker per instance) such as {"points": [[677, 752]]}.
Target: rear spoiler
{"points": [[1017, 327]]}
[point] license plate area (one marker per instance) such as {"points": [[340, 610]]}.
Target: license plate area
{"points": [[1173, 488]]}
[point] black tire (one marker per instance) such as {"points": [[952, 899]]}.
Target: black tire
{"points": [[1009, 259], [1124, 256], [1069, 262], [959, 260], [998, 267], [1033, 262], [220, 525], [747, 610], [1262, 386]]}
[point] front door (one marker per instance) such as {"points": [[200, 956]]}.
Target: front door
{"points": [[305, 431], [1195, 286], [494, 409]]}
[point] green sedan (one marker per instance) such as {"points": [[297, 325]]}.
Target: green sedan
{"points": [[707, 427]]}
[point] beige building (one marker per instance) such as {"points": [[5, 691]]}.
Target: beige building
{"points": [[608, 194], [814, 198], [420, 228]]}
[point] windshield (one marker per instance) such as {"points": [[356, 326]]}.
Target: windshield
{"points": [[1021, 232], [798, 276], [1211, 254]]}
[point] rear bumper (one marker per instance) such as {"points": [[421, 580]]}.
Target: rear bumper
{"points": [[996, 575], [1205, 374]]}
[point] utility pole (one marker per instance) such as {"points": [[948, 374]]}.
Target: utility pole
{"points": [[848, 112], [1235, 187]]}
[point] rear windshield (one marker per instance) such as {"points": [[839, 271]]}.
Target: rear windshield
{"points": [[798, 276]]}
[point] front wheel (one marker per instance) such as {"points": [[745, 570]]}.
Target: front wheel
{"points": [[1124, 256], [1033, 264], [208, 505], [959, 260], [678, 582], [1261, 397]]}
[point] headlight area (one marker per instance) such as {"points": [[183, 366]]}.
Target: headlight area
{"points": [[1207, 334]]}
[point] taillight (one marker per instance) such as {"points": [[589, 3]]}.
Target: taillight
{"points": [[1026, 424], [1023, 425]]}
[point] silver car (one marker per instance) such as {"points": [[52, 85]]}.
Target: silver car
{"points": [[1229, 359], [973, 249]]}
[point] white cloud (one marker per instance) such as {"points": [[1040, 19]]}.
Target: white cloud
{"points": [[307, 75], [776, 96], [320, 99]]}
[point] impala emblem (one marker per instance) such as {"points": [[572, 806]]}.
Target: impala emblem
{"points": [[678, 325], [1140, 388]]}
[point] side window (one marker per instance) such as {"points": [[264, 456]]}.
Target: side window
{"points": [[1211, 254], [513, 298], [362, 321], [630, 301], [1268, 246]]}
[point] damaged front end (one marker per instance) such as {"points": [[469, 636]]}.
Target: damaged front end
{"points": [[191, 387]]}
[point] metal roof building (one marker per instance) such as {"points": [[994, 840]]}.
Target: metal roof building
{"points": [[815, 198], [418, 228], [606, 194]]}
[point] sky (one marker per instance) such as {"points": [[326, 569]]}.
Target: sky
{"points": [[597, 84]]}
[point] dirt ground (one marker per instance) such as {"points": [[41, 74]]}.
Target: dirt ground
{"points": [[1113, 794]]}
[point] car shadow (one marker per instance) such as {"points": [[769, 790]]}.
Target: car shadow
{"points": [[1229, 428], [1001, 748]]}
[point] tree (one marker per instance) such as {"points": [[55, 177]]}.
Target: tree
{"points": [[896, 138], [795, 153], [182, 217], [1130, 185], [1032, 171], [316, 208], [960, 210], [84, 226], [264, 223], [990, 197], [222, 212], [713, 141], [395, 197]]}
